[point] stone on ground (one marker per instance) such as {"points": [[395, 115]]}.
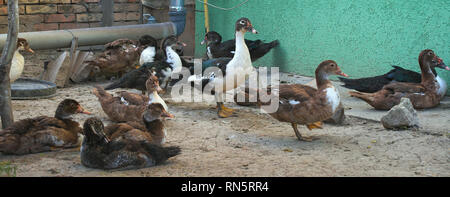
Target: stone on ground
{"points": [[401, 116]]}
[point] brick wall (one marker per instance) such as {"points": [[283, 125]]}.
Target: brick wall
{"points": [[41, 15]]}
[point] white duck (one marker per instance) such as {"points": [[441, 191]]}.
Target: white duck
{"points": [[234, 70], [18, 60]]}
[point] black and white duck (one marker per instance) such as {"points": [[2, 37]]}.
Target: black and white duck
{"points": [[149, 54], [398, 74], [233, 70], [162, 68], [217, 49]]}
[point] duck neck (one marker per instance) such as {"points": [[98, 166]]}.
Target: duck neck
{"points": [[60, 114], [155, 128], [241, 48], [173, 59], [17, 52], [433, 70], [155, 98], [427, 72], [322, 79]]}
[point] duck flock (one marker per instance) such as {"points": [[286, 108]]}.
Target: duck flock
{"points": [[136, 138]]}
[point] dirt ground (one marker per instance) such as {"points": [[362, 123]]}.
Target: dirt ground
{"points": [[251, 144]]}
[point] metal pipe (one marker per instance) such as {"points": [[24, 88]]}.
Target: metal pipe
{"points": [[177, 14], [93, 36]]}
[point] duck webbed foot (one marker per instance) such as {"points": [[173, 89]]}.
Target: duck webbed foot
{"points": [[223, 111], [316, 125], [299, 136]]}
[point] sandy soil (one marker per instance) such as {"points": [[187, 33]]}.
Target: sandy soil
{"points": [[251, 144]]}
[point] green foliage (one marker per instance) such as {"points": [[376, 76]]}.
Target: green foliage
{"points": [[7, 169]]}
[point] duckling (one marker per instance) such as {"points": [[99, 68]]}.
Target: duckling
{"points": [[423, 95], [43, 133], [121, 153], [118, 109], [18, 60], [301, 104]]}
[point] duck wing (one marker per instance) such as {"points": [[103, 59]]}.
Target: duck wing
{"points": [[376, 83], [405, 88], [208, 74], [400, 74], [296, 93], [367, 84], [133, 98], [115, 109], [33, 135], [134, 79], [259, 49]]}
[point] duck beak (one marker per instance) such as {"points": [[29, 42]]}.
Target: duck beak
{"points": [[166, 114], [341, 73], [30, 50], [253, 30], [82, 111], [100, 134], [442, 65], [250, 28], [203, 41], [159, 89]]}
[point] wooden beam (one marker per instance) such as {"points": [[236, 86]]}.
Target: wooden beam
{"points": [[5, 63]]}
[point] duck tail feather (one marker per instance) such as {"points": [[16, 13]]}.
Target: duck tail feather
{"points": [[100, 92], [113, 85], [368, 97], [160, 153], [275, 43]]}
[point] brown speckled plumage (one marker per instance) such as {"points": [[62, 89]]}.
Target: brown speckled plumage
{"points": [[43, 133]]}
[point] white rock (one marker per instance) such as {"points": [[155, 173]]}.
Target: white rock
{"points": [[401, 116]]}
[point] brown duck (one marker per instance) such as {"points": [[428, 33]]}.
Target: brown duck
{"points": [[128, 107], [122, 153], [43, 133], [301, 104], [120, 56], [423, 95], [152, 131]]}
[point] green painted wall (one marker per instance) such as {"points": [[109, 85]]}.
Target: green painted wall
{"points": [[364, 37]]}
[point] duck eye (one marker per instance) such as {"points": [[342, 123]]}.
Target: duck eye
{"points": [[242, 22]]}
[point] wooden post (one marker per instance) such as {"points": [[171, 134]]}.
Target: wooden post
{"points": [[205, 7], [108, 13], [5, 63]]}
